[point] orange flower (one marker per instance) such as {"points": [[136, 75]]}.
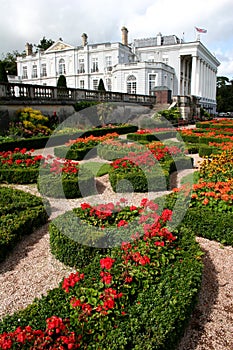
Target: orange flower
{"points": [[205, 201]]}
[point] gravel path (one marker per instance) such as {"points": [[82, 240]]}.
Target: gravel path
{"points": [[31, 270]]}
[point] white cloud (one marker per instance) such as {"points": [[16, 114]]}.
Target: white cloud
{"points": [[26, 21]]}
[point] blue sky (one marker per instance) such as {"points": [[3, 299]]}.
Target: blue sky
{"points": [[28, 21]]}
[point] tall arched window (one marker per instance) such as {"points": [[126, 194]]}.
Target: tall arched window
{"points": [[62, 66], [131, 84]]}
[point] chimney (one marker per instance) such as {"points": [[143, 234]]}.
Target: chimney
{"points": [[84, 39], [159, 39], [28, 49], [124, 31]]}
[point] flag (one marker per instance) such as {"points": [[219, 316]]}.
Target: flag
{"points": [[201, 30]]}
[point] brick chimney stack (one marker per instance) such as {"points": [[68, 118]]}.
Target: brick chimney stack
{"points": [[28, 49], [84, 39], [124, 32]]}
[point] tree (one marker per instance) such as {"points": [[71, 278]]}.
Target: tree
{"points": [[224, 94], [62, 81], [101, 86], [3, 75], [9, 61], [44, 44]]}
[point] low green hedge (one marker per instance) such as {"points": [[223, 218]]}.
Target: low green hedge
{"points": [[20, 214], [156, 316], [207, 223], [73, 243], [19, 176], [156, 136], [73, 154], [53, 185], [55, 140], [210, 224], [138, 181]]}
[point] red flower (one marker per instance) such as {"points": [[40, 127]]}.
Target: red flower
{"points": [[106, 277], [122, 223], [106, 263]]}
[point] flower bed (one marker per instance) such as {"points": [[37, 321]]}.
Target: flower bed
{"points": [[19, 166], [147, 170], [20, 214], [139, 295], [77, 149], [155, 134], [59, 178]]}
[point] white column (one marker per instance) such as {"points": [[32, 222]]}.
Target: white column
{"points": [[198, 76], [193, 76]]}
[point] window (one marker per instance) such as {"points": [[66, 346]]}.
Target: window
{"points": [[152, 82], [108, 62], [95, 84], [94, 65], [82, 84], [34, 71], [25, 73], [62, 67], [109, 84], [131, 85], [81, 66], [165, 59], [43, 70]]}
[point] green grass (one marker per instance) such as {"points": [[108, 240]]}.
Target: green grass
{"points": [[97, 168]]}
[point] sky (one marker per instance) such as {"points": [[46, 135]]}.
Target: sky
{"points": [[30, 20]]}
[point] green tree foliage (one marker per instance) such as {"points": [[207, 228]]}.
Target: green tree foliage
{"points": [[9, 61], [3, 74], [62, 81], [101, 86], [172, 114], [44, 44], [224, 94]]}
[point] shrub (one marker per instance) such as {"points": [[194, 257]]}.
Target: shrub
{"points": [[65, 179], [29, 122], [138, 296], [20, 213]]}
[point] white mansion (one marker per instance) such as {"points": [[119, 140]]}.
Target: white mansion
{"points": [[140, 67]]}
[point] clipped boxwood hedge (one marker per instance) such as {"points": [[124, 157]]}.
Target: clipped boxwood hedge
{"points": [[19, 176], [138, 181], [149, 137], [155, 321], [73, 154], [53, 185], [20, 212], [210, 224], [55, 140]]}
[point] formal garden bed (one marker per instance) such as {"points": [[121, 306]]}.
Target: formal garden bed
{"points": [[20, 214], [137, 278]]}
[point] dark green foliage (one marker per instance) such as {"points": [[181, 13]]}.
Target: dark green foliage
{"points": [[19, 176], [9, 61], [224, 94], [44, 44], [138, 181], [73, 153], [210, 224], [61, 83], [101, 86], [20, 213], [56, 186], [3, 74], [78, 106]]}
